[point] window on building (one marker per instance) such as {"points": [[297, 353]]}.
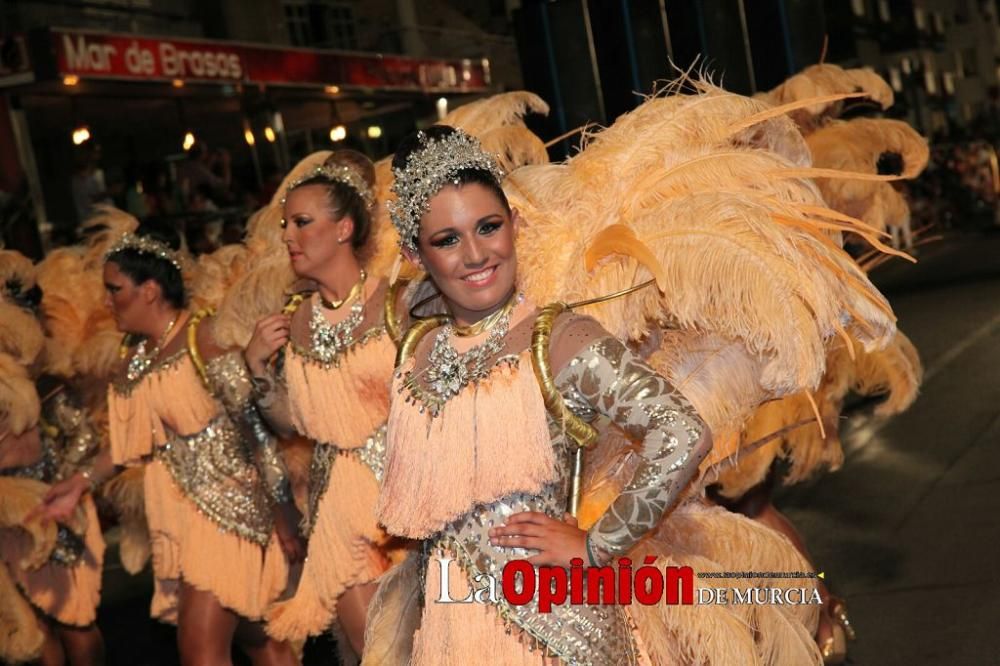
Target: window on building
{"points": [[948, 83], [884, 12], [930, 82], [938, 21], [341, 26], [920, 18], [321, 23], [858, 6], [297, 22], [895, 79], [970, 62]]}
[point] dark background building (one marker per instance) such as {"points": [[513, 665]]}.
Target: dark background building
{"points": [[594, 59], [266, 82]]}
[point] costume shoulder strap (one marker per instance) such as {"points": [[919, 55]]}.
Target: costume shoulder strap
{"points": [[192, 342], [390, 311], [579, 430]]}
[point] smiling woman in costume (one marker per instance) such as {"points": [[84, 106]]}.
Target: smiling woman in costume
{"points": [[479, 459]]}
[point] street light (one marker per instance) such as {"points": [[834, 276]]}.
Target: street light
{"points": [[338, 133], [188, 141], [81, 135], [269, 134], [248, 135], [374, 131], [442, 107]]}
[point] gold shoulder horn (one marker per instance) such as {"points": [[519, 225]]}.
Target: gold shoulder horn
{"points": [[392, 324], [192, 342], [576, 428], [582, 432]]}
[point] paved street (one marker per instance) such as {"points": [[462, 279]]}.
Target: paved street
{"points": [[907, 530]]}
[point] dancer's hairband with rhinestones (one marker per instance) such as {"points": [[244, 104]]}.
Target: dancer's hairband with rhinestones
{"points": [[340, 173], [145, 245], [427, 170]]}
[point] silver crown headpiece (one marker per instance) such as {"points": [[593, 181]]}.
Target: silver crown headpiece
{"points": [[145, 245], [427, 170], [340, 173]]}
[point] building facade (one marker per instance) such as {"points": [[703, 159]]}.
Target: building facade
{"points": [[268, 81]]}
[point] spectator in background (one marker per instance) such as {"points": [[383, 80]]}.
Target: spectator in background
{"points": [[205, 228], [196, 172], [135, 196], [88, 184]]}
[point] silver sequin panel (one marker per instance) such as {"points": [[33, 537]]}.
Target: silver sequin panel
{"points": [[371, 455], [215, 470], [578, 634]]}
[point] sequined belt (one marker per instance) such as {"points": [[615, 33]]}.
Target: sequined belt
{"points": [[577, 634], [68, 547], [43, 469], [371, 454], [214, 470]]}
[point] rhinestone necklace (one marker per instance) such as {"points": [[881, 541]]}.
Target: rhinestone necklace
{"points": [[141, 361], [448, 371], [328, 339]]}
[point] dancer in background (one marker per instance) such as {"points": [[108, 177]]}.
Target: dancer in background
{"points": [[222, 524], [322, 368], [50, 574]]}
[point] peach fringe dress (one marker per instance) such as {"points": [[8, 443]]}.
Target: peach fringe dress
{"points": [[244, 574], [456, 468], [67, 585], [341, 401], [66, 592]]}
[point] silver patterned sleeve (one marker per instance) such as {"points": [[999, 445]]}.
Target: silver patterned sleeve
{"points": [[609, 379], [230, 382], [270, 393]]}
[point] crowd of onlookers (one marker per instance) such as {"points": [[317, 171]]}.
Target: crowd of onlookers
{"points": [[198, 193], [959, 188]]}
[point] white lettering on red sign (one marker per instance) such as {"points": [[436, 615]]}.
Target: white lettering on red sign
{"points": [[88, 57], [167, 60], [180, 63], [139, 61]]}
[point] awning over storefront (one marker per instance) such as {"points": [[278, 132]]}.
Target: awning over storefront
{"points": [[59, 53]]}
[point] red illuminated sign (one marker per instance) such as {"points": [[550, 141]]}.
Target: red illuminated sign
{"points": [[99, 55]]}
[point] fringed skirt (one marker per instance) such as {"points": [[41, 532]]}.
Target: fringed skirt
{"points": [[67, 593], [187, 546], [346, 548]]}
